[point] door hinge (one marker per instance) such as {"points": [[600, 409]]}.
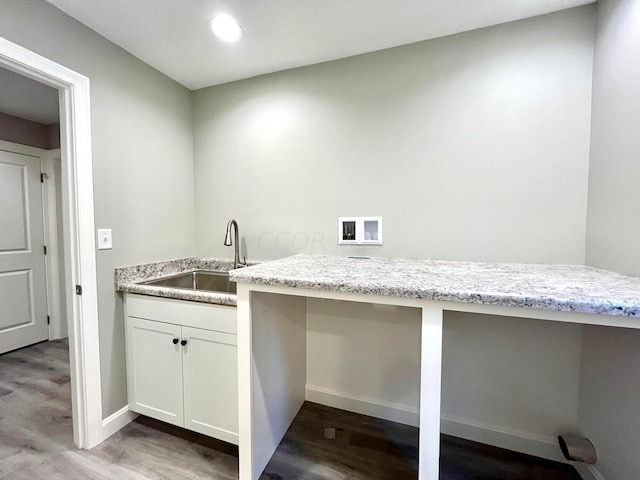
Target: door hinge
{"points": [[45, 249], [48, 320], [78, 289], [41, 177]]}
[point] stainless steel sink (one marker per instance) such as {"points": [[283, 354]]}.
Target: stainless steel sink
{"points": [[198, 280]]}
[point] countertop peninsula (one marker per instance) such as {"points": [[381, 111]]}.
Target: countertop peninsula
{"points": [[569, 288]]}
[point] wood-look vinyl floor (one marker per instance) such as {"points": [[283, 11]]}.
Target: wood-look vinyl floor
{"points": [[36, 436], [367, 448], [36, 441]]}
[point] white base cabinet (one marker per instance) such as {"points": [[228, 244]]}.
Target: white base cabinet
{"points": [[182, 364]]}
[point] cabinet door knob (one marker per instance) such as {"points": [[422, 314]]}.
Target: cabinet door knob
{"points": [[175, 341], [183, 343]]}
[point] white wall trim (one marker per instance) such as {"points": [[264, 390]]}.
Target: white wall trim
{"points": [[22, 149], [588, 472], [364, 406], [52, 260], [79, 241], [116, 421], [517, 441], [523, 442]]}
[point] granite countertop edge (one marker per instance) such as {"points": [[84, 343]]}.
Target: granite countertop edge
{"points": [[411, 279], [550, 303], [215, 298]]}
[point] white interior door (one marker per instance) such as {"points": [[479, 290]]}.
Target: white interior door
{"points": [[23, 303]]}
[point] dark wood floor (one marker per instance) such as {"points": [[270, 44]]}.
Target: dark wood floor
{"points": [[367, 448], [36, 441]]}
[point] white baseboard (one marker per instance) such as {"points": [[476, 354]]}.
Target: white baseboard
{"points": [[523, 442], [116, 421], [543, 447], [364, 406], [588, 472]]}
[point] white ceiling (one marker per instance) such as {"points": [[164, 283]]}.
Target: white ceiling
{"points": [[25, 98], [173, 35]]}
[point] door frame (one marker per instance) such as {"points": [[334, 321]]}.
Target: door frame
{"points": [[78, 236], [48, 160]]}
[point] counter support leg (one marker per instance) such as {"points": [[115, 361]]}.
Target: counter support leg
{"points": [[272, 373], [430, 384], [245, 392]]}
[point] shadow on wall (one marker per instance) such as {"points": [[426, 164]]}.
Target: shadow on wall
{"points": [[25, 132]]}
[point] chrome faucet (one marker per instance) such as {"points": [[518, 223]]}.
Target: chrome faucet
{"points": [[227, 241]]}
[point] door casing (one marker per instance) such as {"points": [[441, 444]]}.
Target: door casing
{"points": [[78, 236]]}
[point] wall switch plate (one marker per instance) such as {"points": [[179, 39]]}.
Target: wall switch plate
{"points": [[360, 231], [104, 239]]}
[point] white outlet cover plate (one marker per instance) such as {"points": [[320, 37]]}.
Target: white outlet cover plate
{"points": [[104, 239], [368, 231]]}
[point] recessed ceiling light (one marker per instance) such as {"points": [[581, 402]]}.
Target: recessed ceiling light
{"points": [[226, 28]]}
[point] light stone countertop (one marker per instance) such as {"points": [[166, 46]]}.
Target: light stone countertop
{"points": [[570, 288], [127, 279]]}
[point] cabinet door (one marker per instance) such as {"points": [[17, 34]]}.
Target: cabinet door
{"points": [[211, 383], [154, 369]]}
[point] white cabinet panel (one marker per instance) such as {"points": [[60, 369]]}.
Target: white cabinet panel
{"points": [[154, 369], [211, 383], [208, 316]]}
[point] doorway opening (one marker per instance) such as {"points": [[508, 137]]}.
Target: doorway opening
{"points": [[31, 307], [78, 242]]}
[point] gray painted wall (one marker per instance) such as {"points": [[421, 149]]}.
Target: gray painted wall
{"points": [[609, 393], [142, 154], [25, 132], [473, 146], [610, 369], [613, 228]]}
